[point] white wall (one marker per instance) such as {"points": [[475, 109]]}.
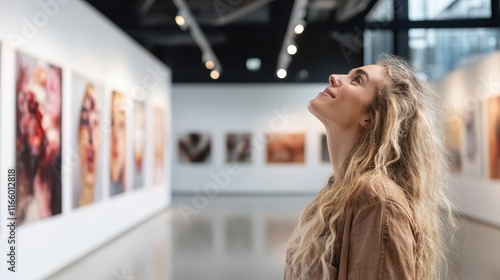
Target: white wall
{"points": [[469, 89], [221, 109], [78, 39]]}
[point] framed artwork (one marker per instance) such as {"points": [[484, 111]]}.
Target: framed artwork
{"points": [[118, 143], [159, 146], [471, 152], [285, 148], [38, 138], [325, 156], [462, 122], [453, 135], [87, 133], [194, 147], [0, 77], [494, 136], [239, 147], [139, 144]]}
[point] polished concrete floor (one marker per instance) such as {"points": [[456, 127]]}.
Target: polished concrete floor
{"points": [[240, 238]]}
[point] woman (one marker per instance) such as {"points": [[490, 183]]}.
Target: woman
{"points": [[38, 139], [118, 138], [378, 217], [88, 145]]}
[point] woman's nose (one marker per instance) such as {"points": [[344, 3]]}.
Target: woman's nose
{"points": [[334, 80]]}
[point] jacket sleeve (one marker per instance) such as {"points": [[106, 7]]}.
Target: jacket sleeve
{"points": [[381, 244]]}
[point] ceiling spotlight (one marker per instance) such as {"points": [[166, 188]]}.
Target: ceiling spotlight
{"points": [[214, 74], [253, 64], [291, 49], [180, 20], [299, 28], [281, 73], [209, 64]]}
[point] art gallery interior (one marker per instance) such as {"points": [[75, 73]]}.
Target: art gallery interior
{"points": [[171, 139]]}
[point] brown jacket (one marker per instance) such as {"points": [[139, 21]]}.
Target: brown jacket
{"points": [[375, 238]]}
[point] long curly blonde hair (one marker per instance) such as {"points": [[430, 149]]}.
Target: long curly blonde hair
{"points": [[404, 143]]}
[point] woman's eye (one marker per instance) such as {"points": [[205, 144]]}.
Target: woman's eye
{"points": [[357, 79]]}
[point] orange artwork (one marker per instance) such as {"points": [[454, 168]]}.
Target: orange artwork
{"points": [[494, 136], [285, 148]]}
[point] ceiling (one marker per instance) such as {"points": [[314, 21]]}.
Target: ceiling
{"points": [[242, 29]]}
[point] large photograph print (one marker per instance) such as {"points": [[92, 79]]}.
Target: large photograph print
{"points": [[139, 145], [38, 138], [194, 147], [462, 122], [0, 78], [239, 147], [285, 148], [453, 136], [88, 99], [118, 143], [494, 136], [159, 146], [325, 156]]}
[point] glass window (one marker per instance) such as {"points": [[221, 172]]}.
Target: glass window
{"points": [[439, 51], [375, 43], [382, 11], [448, 9]]}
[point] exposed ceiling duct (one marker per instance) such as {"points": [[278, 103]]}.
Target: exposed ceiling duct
{"points": [[231, 32]]}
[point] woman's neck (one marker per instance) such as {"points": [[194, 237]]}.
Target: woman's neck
{"points": [[339, 144]]}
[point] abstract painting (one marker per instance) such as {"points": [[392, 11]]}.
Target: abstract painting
{"points": [[38, 138], [285, 148], [239, 147], [194, 147]]}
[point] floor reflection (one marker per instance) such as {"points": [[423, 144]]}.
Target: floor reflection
{"points": [[233, 238], [239, 238]]}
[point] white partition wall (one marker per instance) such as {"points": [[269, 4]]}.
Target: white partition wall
{"points": [[76, 38], [257, 109], [220, 109], [468, 93]]}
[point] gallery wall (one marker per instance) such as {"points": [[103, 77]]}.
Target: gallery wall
{"points": [[471, 97], [72, 45], [216, 111], [258, 110]]}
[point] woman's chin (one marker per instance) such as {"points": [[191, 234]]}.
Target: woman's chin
{"points": [[312, 107]]}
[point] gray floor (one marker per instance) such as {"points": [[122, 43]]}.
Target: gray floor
{"points": [[239, 238]]}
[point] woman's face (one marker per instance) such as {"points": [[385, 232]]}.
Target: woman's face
{"points": [[346, 98], [118, 133], [89, 137]]}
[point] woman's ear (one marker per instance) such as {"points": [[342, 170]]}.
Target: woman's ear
{"points": [[365, 122]]}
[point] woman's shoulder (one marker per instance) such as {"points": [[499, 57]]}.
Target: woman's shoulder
{"points": [[380, 190]]}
